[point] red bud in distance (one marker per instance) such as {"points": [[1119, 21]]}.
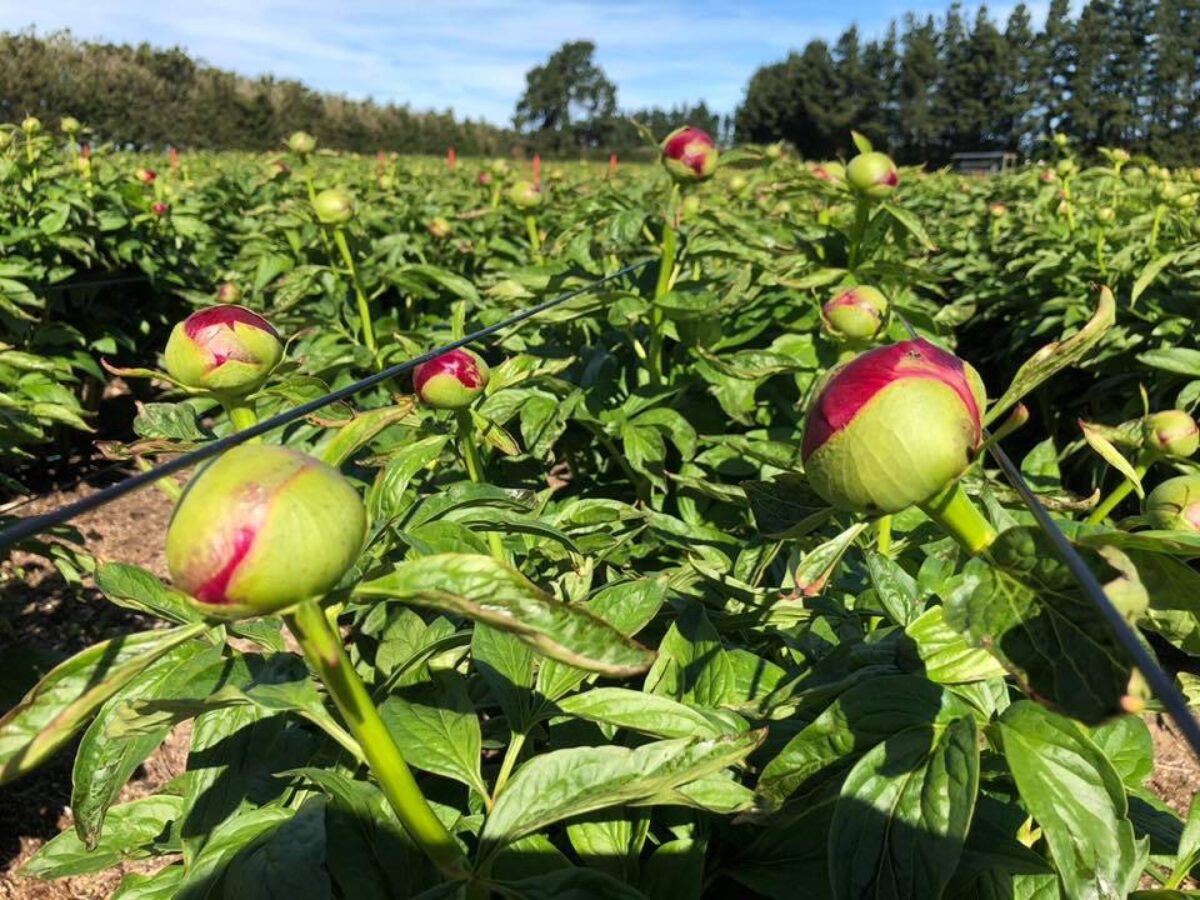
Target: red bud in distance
{"points": [[452, 380], [893, 427]]}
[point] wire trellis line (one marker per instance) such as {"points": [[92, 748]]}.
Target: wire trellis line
{"points": [[33, 525]]}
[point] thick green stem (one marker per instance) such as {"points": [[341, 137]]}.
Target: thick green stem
{"points": [[535, 238], [1119, 493], [470, 452], [242, 414], [515, 743], [884, 534], [324, 651], [862, 216], [953, 510], [666, 266], [364, 311]]}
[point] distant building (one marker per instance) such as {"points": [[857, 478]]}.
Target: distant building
{"points": [[985, 162]]}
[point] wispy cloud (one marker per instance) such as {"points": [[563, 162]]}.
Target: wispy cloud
{"points": [[470, 55]]}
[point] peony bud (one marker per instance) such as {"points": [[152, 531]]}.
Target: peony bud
{"points": [[452, 380], [224, 349], [69, 125], [1175, 504], [997, 210], [334, 206], [485, 178], [833, 172], [856, 313], [689, 154], [440, 229], [6, 138], [276, 168], [499, 167], [229, 292], [262, 528], [1106, 214], [893, 427], [738, 184], [525, 195], [1171, 432], [302, 143], [145, 176], [31, 125], [1066, 167], [774, 151], [1048, 176], [873, 174], [1060, 140], [159, 208]]}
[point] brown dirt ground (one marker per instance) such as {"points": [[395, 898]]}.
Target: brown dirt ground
{"points": [[42, 609]]}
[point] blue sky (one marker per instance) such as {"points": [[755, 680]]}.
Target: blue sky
{"points": [[472, 55]]}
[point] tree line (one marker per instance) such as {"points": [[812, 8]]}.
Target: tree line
{"points": [[1121, 73]]}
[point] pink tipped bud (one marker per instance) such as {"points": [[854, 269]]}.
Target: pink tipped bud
{"points": [[1171, 432], [689, 154], [229, 292], [160, 208], [452, 380], [485, 178], [833, 172], [145, 176], [893, 427], [1175, 504], [856, 313], [526, 195], [440, 228], [873, 175], [997, 210], [224, 349], [263, 528]]}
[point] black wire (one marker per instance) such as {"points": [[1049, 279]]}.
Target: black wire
{"points": [[1160, 682], [33, 525]]}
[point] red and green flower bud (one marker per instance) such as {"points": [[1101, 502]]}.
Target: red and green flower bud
{"points": [[302, 143], [774, 151], [689, 154], [145, 176], [485, 178], [893, 427], [334, 206], [452, 380], [229, 292], [833, 172], [159, 208], [857, 313], [277, 168], [1175, 504], [1048, 176], [69, 125], [873, 174], [31, 125], [997, 210], [525, 195], [228, 350], [440, 229], [1171, 433], [263, 528]]}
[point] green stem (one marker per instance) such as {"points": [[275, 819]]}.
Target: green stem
{"points": [[670, 243], [1119, 493], [953, 510], [323, 649], [515, 744], [242, 414], [884, 534], [364, 311], [470, 452], [535, 238], [862, 216]]}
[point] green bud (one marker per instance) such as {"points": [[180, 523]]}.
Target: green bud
{"points": [[302, 143], [893, 427], [452, 380], [856, 313], [873, 175], [1172, 433], [69, 125], [31, 125], [833, 172], [261, 528], [334, 206], [525, 195], [1175, 504], [440, 228], [228, 350]]}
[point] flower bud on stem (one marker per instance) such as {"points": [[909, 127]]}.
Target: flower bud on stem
{"points": [[954, 512], [323, 649], [670, 240]]}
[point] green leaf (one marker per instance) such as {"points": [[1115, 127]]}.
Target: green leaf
{"points": [[1153, 269], [642, 712], [360, 431], [903, 813], [675, 870], [288, 863], [387, 492], [692, 666], [1127, 743], [895, 588], [1057, 356], [437, 730], [910, 223], [1078, 800], [785, 507], [946, 655], [226, 841], [62, 702], [570, 884], [486, 590], [133, 829], [1111, 455], [134, 588], [1026, 608], [1178, 360], [564, 783]]}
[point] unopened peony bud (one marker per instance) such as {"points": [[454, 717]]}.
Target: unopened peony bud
{"points": [[997, 210], [302, 143], [1175, 504], [334, 206], [145, 176], [31, 125], [452, 380], [856, 313], [485, 178], [228, 350], [159, 208], [738, 184], [69, 125], [1172, 433], [440, 228], [1106, 214], [525, 195], [774, 151], [262, 528], [689, 154], [833, 172], [873, 174], [229, 292], [893, 427]]}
